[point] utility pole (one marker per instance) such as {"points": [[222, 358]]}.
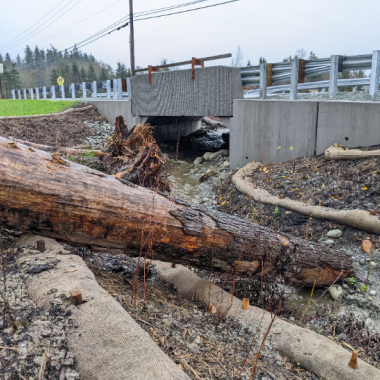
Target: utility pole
{"points": [[131, 37], [1, 71]]}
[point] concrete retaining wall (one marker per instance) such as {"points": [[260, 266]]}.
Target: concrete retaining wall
{"points": [[110, 109], [351, 124], [175, 93], [260, 127]]}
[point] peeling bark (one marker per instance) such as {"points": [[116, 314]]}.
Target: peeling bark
{"points": [[47, 195]]}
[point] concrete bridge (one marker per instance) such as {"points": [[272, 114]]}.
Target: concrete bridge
{"points": [[176, 103]]}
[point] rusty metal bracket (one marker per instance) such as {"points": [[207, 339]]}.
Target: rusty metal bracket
{"points": [[195, 62], [152, 69]]}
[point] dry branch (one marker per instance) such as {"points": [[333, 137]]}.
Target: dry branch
{"points": [[40, 195]]}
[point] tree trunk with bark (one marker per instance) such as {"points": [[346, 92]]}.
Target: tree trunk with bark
{"points": [[42, 193]]}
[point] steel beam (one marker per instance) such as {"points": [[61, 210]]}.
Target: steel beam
{"points": [[263, 80], [374, 83], [334, 69], [294, 79]]}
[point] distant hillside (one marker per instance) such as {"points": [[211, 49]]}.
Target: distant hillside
{"points": [[41, 68]]}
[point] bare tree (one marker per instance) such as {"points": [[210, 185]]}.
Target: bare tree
{"points": [[238, 60], [300, 53]]}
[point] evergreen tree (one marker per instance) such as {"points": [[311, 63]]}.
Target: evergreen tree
{"points": [[15, 78], [85, 57], [29, 58], [18, 59], [75, 75], [312, 56], [91, 76], [262, 60], [122, 71], [83, 75], [249, 63], [53, 77], [1, 58], [8, 59], [65, 72], [103, 74], [37, 55]]}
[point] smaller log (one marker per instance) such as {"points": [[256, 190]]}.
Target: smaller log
{"points": [[69, 151], [41, 245], [340, 153]]}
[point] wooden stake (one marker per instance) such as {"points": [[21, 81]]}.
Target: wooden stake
{"points": [[245, 303], [41, 245], [76, 296], [354, 360]]}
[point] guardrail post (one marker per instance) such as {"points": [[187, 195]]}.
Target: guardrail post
{"points": [[37, 92], [334, 69], [375, 72], [120, 89], [31, 92], [355, 88], [62, 91], [44, 92], [294, 79], [52, 88], [323, 89], [129, 88], [263, 80], [114, 83], [84, 91], [25, 96], [94, 89], [72, 87], [13, 92], [108, 89], [19, 94]]}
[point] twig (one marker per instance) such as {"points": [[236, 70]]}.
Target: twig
{"points": [[307, 306], [190, 369]]}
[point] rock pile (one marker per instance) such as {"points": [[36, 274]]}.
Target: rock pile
{"points": [[101, 133]]}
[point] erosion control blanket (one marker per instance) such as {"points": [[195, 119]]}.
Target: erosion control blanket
{"points": [[314, 352], [107, 342]]}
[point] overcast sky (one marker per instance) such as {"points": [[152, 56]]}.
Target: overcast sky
{"points": [[270, 28]]}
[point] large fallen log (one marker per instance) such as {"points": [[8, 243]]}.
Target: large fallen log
{"points": [[44, 194]]}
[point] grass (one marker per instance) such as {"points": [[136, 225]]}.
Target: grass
{"points": [[10, 107]]}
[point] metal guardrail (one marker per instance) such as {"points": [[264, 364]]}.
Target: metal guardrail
{"points": [[291, 75], [115, 90], [354, 82]]}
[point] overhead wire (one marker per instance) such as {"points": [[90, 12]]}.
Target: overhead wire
{"points": [[32, 25], [119, 24], [39, 31], [80, 22]]}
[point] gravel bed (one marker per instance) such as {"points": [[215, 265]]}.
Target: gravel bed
{"points": [[33, 341]]}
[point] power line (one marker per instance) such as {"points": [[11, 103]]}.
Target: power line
{"points": [[39, 31], [33, 24], [107, 30], [72, 26], [188, 10]]}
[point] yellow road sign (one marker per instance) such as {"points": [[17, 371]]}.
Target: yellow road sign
{"points": [[60, 81]]}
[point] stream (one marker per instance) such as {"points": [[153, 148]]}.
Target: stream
{"points": [[184, 176]]}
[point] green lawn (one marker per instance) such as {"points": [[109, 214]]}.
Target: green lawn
{"points": [[10, 107]]}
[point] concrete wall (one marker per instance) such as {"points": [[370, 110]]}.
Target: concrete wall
{"points": [[175, 93], [351, 124], [259, 127], [110, 109]]}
